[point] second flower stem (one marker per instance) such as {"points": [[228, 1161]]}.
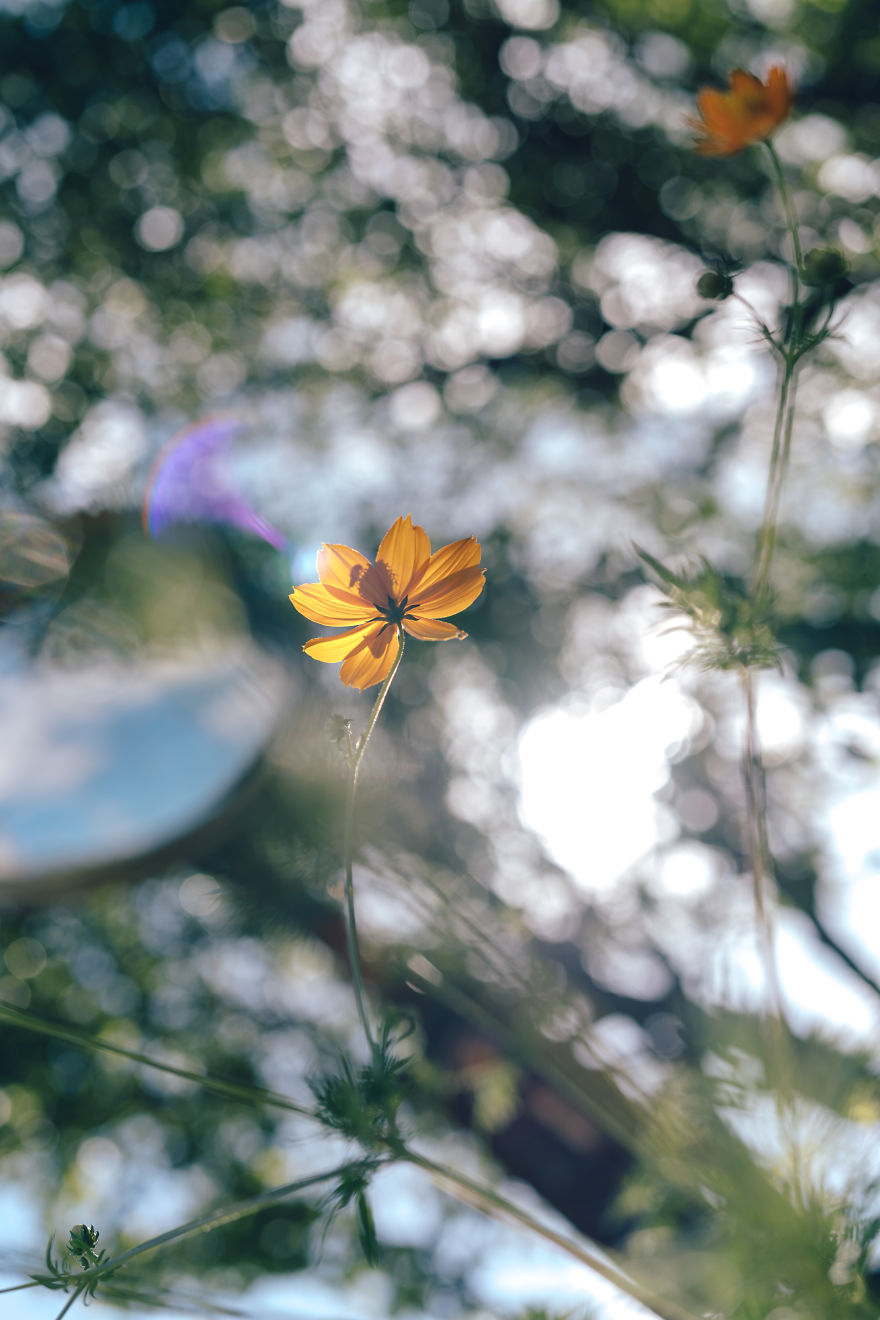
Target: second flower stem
{"points": [[791, 347], [797, 265], [757, 844], [492, 1203], [69, 1303], [779, 456]]}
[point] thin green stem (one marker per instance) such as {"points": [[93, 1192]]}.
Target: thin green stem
{"points": [[503, 968], [792, 349], [779, 1061], [793, 345], [354, 956], [214, 1219], [779, 455], [377, 706], [492, 1203], [757, 842], [69, 1303], [525, 1045], [235, 1090], [790, 220]]}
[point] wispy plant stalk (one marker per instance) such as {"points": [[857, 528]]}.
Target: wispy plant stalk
{"points": [[244, 1091], [492, 1203], [791, 347], [205, 1223], [69, 1303]]}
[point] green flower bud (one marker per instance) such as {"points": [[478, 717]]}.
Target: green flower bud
{"points": [[823, 266], [714, 284], [82, 1238]]}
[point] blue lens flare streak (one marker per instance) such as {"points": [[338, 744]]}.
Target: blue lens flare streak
{"points": [[188, 484]]}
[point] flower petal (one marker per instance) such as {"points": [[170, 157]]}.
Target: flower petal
{"points": [[748, 112], [316, 602], [445, 561], [430, 630], [448, 596], [722, 129], [348, 570], [405, 549], [333, 649], [712, 105], [745, 85], [370, 662], [779, 93]]}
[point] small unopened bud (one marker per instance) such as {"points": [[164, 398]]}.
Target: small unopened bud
{"points": [[714, 284], [82, 1242], [82, 1236], [823, 266]]}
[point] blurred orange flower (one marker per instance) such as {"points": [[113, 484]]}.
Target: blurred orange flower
{"points": [[407, 586], [748, 112]]}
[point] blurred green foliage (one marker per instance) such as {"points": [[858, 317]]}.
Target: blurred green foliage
{"points": [[439, 254]]}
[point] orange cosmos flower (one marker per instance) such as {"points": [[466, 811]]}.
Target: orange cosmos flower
{"points": [[749, 112], [406, 586]]}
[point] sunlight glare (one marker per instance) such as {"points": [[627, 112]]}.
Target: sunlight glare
{"points": [[588, 776]]}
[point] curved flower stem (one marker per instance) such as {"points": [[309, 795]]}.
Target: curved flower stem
{"points": [[792, 348], [530, 1049], [355, 760], [220, 1086], [792, 344], [69, 1303], [498, 1207], [757, 843], [780, 1062], [779, 456], [205, 1223], [790, 220]]}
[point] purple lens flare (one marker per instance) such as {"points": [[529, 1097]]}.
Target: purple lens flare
{"points": [[188, 484]]}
